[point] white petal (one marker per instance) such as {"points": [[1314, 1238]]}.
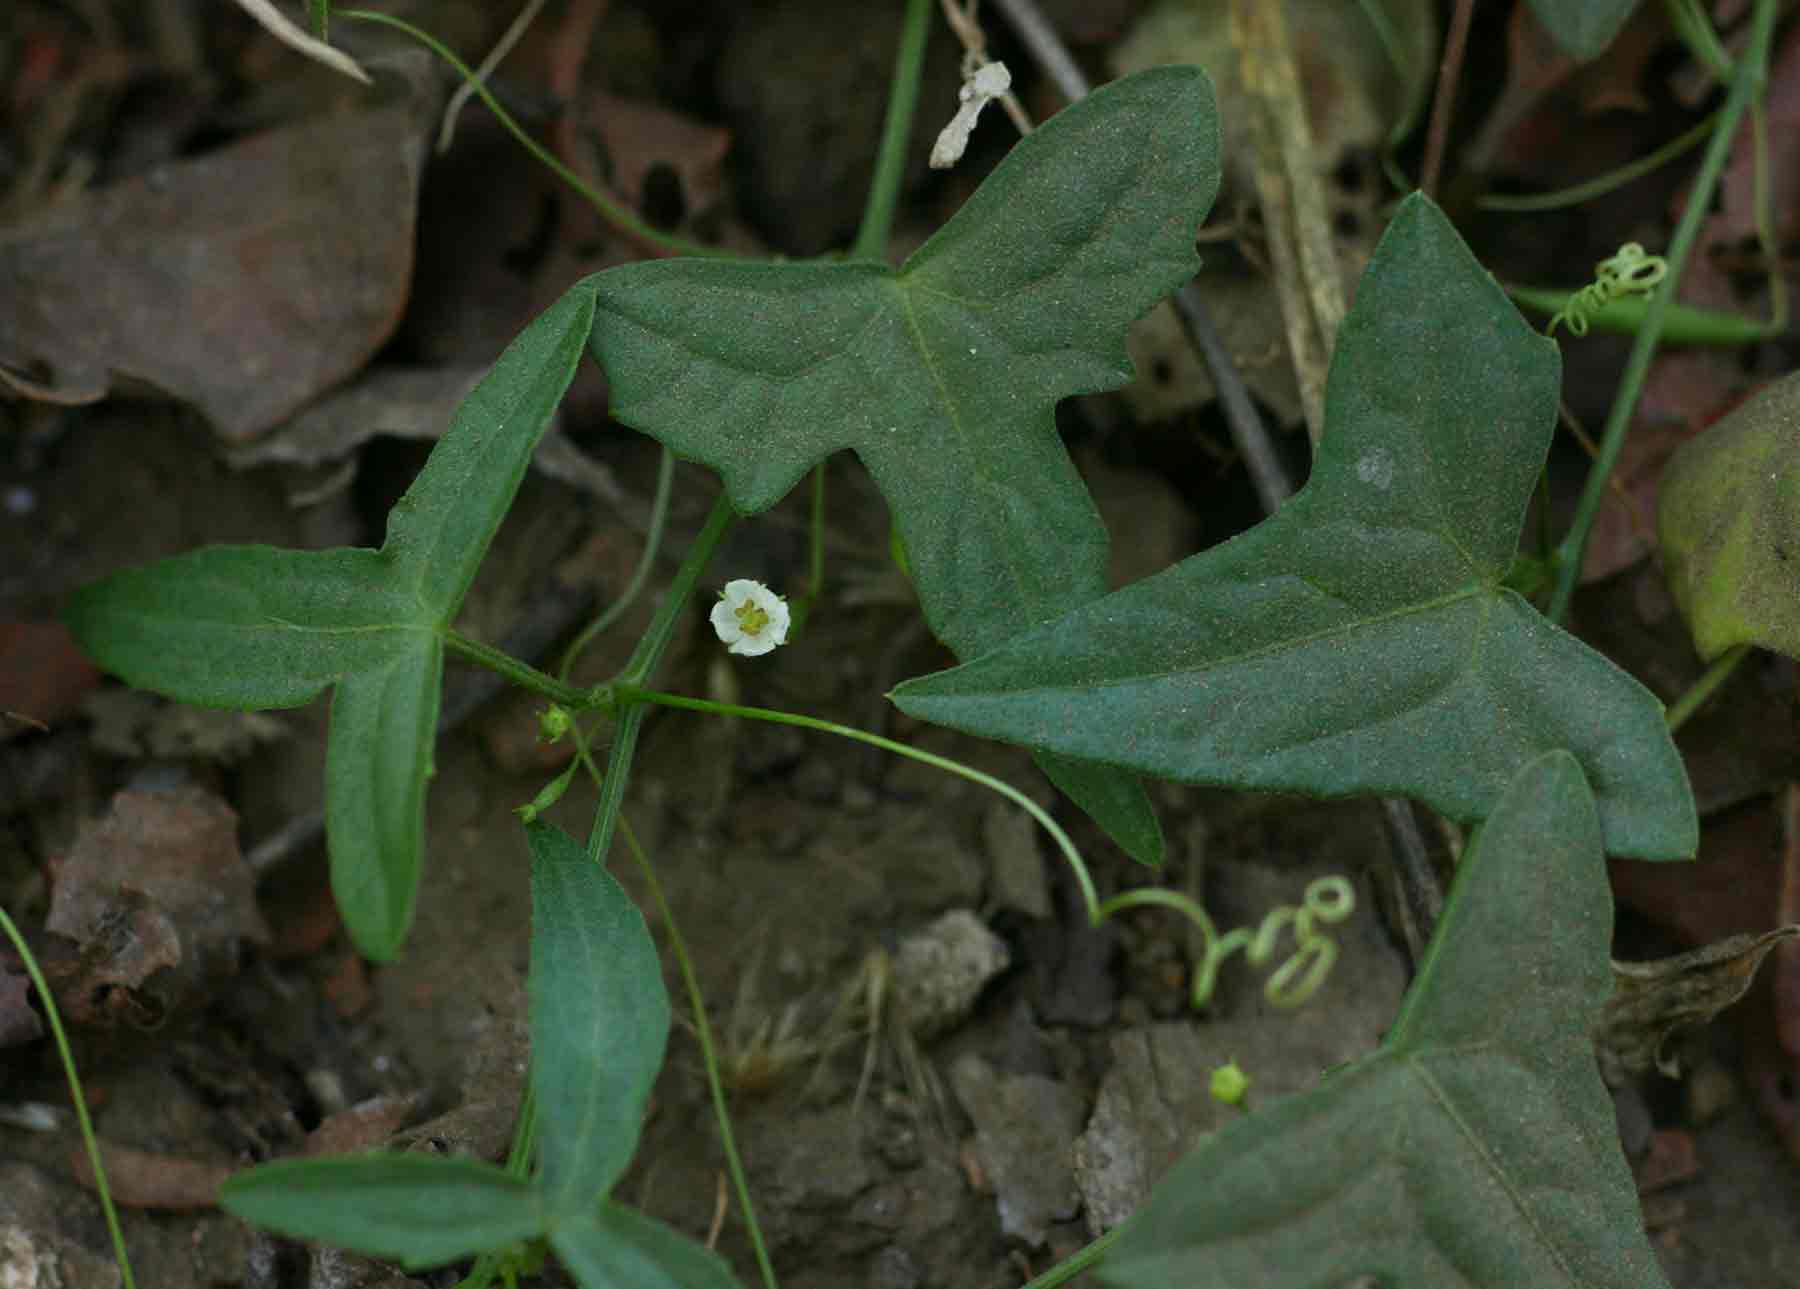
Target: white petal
{"points": [[752, 646], [779, 617], [725, 623]]}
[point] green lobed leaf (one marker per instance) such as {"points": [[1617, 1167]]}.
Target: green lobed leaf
{"points": [[418, 1209], [438, 532], [943, 377], [1478, 1146], [599, 1021], [1728, 517], [377, 762], [1361, 640], [1583, 28], [246, 626], [618, 1248], [256, 627]]}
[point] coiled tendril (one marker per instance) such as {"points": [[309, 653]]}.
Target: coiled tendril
{"points": [[1629, 272], [1327, 900]]}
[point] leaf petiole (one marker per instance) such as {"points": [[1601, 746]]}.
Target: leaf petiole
{"points": [[519, 672]]}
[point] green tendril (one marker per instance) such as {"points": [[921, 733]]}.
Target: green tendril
{"points": [[1327, 900], [1629, 272]]}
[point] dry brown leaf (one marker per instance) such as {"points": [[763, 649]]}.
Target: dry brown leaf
{"points": [[1651, 1000], [409, 403], [363, 1126], [157, 899], [245, 282], [640, 136], [145, 1179]]}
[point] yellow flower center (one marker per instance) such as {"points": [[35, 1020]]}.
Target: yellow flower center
{"points": [[751, 619]]}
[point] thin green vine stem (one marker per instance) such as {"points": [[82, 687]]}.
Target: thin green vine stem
{"points": [[519, 672], [1089, 896], [815, 554], [1600, 185], [1080, 1260], [709, 1056], [655, 640], [1708, 685], [659, 517], [622, 695], [890, 162], [614, 781], [617, 215], [1690, 23], [89, 1142], [1746, 82]]}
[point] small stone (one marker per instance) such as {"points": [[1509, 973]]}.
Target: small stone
{"points": [[1025, 1127], [940, 971], [893, 1267]]}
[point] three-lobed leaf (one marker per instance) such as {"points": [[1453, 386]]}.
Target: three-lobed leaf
{"points": [[599, 1020], [599, 1023], [1478, 1146], [1361, 639], [1728, 517], [257, 627], [943, 376]]}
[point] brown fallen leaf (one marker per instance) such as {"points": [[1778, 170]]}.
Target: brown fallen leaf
{"points": [[639, 137], [157, 899], [245, 282], [1651, 1000], [363, 1126], [145, 1179], [1527, 133], [43, 676], [410, 403]]}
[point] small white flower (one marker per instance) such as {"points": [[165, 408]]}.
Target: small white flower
{"points": [[750, 618]]}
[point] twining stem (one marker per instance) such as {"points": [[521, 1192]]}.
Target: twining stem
{"points": [[642, 663], [617, 215], [1746, 82], [521, 673], [509, 40], [79, 1099], [656, 638], [1081, 1259], [1089, 897], [659, 517], [1576, 194], [1443, 104], [890, 163], [1704, 688], [614, 781], [708, 1053]]}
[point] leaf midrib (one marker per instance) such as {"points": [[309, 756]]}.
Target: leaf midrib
{"points": [[1413, 1062], [1287, 644], [373, 628], [964, 436]]}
